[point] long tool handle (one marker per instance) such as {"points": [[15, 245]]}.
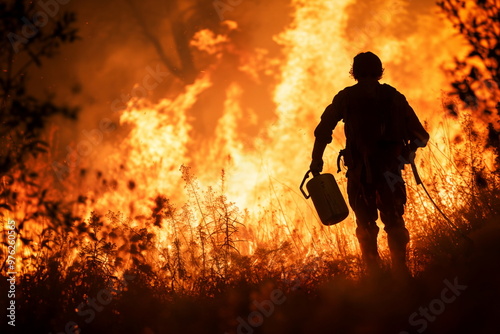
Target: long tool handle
{"points": [[415, 172], [455, 227]]}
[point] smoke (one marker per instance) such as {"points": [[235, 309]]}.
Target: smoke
{"points": [[279, 66], [414, 41], [114, 52], [248, 105]]}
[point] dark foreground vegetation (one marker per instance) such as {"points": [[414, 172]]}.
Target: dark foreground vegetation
{"points": [[114, 278], [108, 273], [315, 302]]}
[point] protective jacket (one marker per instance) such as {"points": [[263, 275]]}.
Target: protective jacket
{"points": [[379, 126]]}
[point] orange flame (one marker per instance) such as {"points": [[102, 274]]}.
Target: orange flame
{"points": [[262, 173]]}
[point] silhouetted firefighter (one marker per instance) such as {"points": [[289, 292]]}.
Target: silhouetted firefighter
{"points": [[382, 134]]}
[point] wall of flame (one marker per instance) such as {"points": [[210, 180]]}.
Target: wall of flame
{"points": [[252, 111]]}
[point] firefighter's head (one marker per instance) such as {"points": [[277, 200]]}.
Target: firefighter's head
{"points": [[367, 65]]}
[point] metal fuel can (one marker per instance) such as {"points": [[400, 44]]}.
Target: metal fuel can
{"points": [[326, 197]]}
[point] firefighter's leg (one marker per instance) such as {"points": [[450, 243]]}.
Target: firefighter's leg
{"points": [[367, 233], [391, 201], [398, 238], [362, 201]]}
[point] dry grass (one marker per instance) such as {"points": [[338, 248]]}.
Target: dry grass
{"points": [[193, 271]]}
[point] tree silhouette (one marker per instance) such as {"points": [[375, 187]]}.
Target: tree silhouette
{"points": [[30, 34], [171, 26], [477, 77], [184, 18]]}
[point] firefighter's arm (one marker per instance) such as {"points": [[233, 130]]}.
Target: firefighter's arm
{"points": [[414, 131], [418, 136], [323, 132], [317, 157]]}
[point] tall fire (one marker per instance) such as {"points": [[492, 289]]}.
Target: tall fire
{"points": [[178, 191]]}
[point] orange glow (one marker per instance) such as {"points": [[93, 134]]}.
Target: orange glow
{"points": [[262, 172]]}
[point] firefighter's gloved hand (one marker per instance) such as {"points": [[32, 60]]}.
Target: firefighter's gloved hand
{"points": [[411, 156], [409, 152], [316, 166]]}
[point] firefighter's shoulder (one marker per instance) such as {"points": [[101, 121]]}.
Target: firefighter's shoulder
{"points": [[342, 94], [393, 91]]}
